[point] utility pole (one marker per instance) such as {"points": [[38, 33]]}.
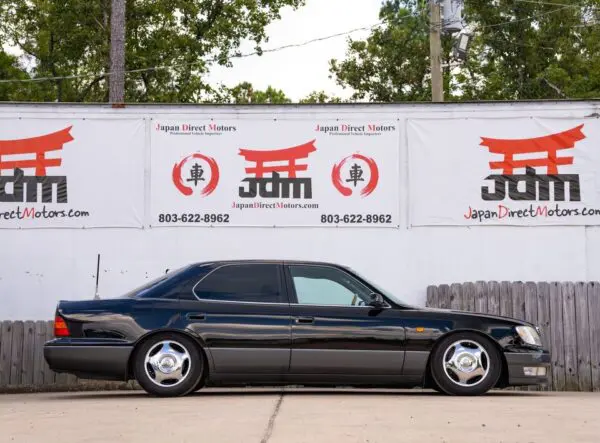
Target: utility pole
{"points": [[116, 80], [435, 51]]}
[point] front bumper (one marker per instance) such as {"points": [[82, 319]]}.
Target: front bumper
{"points": [[95, 360], [518, 361]]}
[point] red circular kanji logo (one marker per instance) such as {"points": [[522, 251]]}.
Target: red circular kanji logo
{"points": [[355, 175], [196, 175]]}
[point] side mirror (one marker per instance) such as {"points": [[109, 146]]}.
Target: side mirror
{"points": [[377, 301]]}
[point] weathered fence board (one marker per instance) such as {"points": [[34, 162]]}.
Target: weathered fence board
{"points": [[594, 314], [506, 306], [28, 353], [49, 375], [558, 348], [570, 336], [5, 353], [39, 364], [17, 353], [582, 331], [568, 315], [518, 298], [444, 296], [493, 297], [433, 298], [543, 311], [455, 296], [481, 301], [468, 300]]}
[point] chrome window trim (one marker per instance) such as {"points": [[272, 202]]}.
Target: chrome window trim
{"points": [[387, 305], [206, 300]]}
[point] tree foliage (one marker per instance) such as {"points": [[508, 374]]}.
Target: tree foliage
{"points": [[181, 38], [521, 50], [244, 93], [10, 69], [320, 97]]}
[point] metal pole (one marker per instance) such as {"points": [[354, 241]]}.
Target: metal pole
{"points": [[97, 294], [435, 51]]}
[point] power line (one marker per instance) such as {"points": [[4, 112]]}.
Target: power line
{"points": [[541, 2], [510, 22], [158, 68], [532, 17]]}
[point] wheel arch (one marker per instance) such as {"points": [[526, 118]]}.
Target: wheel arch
{"points": [[428, 381], [201, 346]]}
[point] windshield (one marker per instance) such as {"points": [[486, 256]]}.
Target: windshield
{"points": [[378, 288], [153, 283]]}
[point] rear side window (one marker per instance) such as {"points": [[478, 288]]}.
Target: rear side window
{"points": [[254, 283]]}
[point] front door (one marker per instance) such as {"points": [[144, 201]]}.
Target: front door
{"points": [[335, 331], [241, 312]]}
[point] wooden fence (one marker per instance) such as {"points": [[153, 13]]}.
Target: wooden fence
{"points": [[22, 364], [567, 313]]}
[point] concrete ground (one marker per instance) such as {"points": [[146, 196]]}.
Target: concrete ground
{"points": [[294, 416]]}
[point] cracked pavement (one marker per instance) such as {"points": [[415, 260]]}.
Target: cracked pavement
{"points": [[300, 415]]}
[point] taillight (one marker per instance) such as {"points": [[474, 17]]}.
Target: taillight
{"points": [[60, 327]]}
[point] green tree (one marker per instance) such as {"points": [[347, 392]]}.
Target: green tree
{"points": [[521, 49], [244, 93], [10, 69], [392, 64], [181, 38], [320, 97]]}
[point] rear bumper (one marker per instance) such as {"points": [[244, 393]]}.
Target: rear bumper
{"points": [[88, 360], [518, 361]]}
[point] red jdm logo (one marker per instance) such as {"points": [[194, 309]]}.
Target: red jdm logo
{"points": [[355, 175], [196, 175]]}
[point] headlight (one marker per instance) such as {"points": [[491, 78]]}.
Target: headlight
{"points": [[529, 335]]}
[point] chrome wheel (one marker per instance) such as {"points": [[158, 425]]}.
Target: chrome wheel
{"points": [[466, 363], [167, 363]]}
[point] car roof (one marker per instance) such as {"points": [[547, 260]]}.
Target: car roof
{"points": [[274, 261]]}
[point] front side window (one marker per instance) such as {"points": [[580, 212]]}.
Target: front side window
{"points": [[250, 283], [326, 286]]}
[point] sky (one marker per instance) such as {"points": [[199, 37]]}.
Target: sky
{"points": [[299, 71]]}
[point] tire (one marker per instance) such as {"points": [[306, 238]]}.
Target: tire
{"points": [[465, 364], [168, 365]]}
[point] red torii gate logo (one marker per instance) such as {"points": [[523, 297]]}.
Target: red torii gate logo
{"points": [[25, 188], [537, 186], [281, 160]]}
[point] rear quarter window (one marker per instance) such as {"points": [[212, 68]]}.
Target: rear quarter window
{"points": [[250, 283]]}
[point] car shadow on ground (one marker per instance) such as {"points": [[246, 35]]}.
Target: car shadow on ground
{"points": [[254, 392]]}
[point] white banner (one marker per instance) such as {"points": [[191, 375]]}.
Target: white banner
{"points": [[521, 171], [71, 173], [275, 173]]}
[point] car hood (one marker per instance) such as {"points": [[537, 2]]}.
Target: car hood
{"points": [[480, 315]]}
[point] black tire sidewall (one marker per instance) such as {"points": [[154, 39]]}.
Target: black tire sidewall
{"points": [[446, 385], [193, 379]]}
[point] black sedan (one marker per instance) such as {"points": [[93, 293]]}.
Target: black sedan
{"points": [[237, 323]]}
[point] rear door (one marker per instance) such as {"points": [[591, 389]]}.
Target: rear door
{"points": [[334, 331], [242, 313]]}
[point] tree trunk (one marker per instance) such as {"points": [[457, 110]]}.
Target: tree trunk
{"points": [[117, 52]]}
